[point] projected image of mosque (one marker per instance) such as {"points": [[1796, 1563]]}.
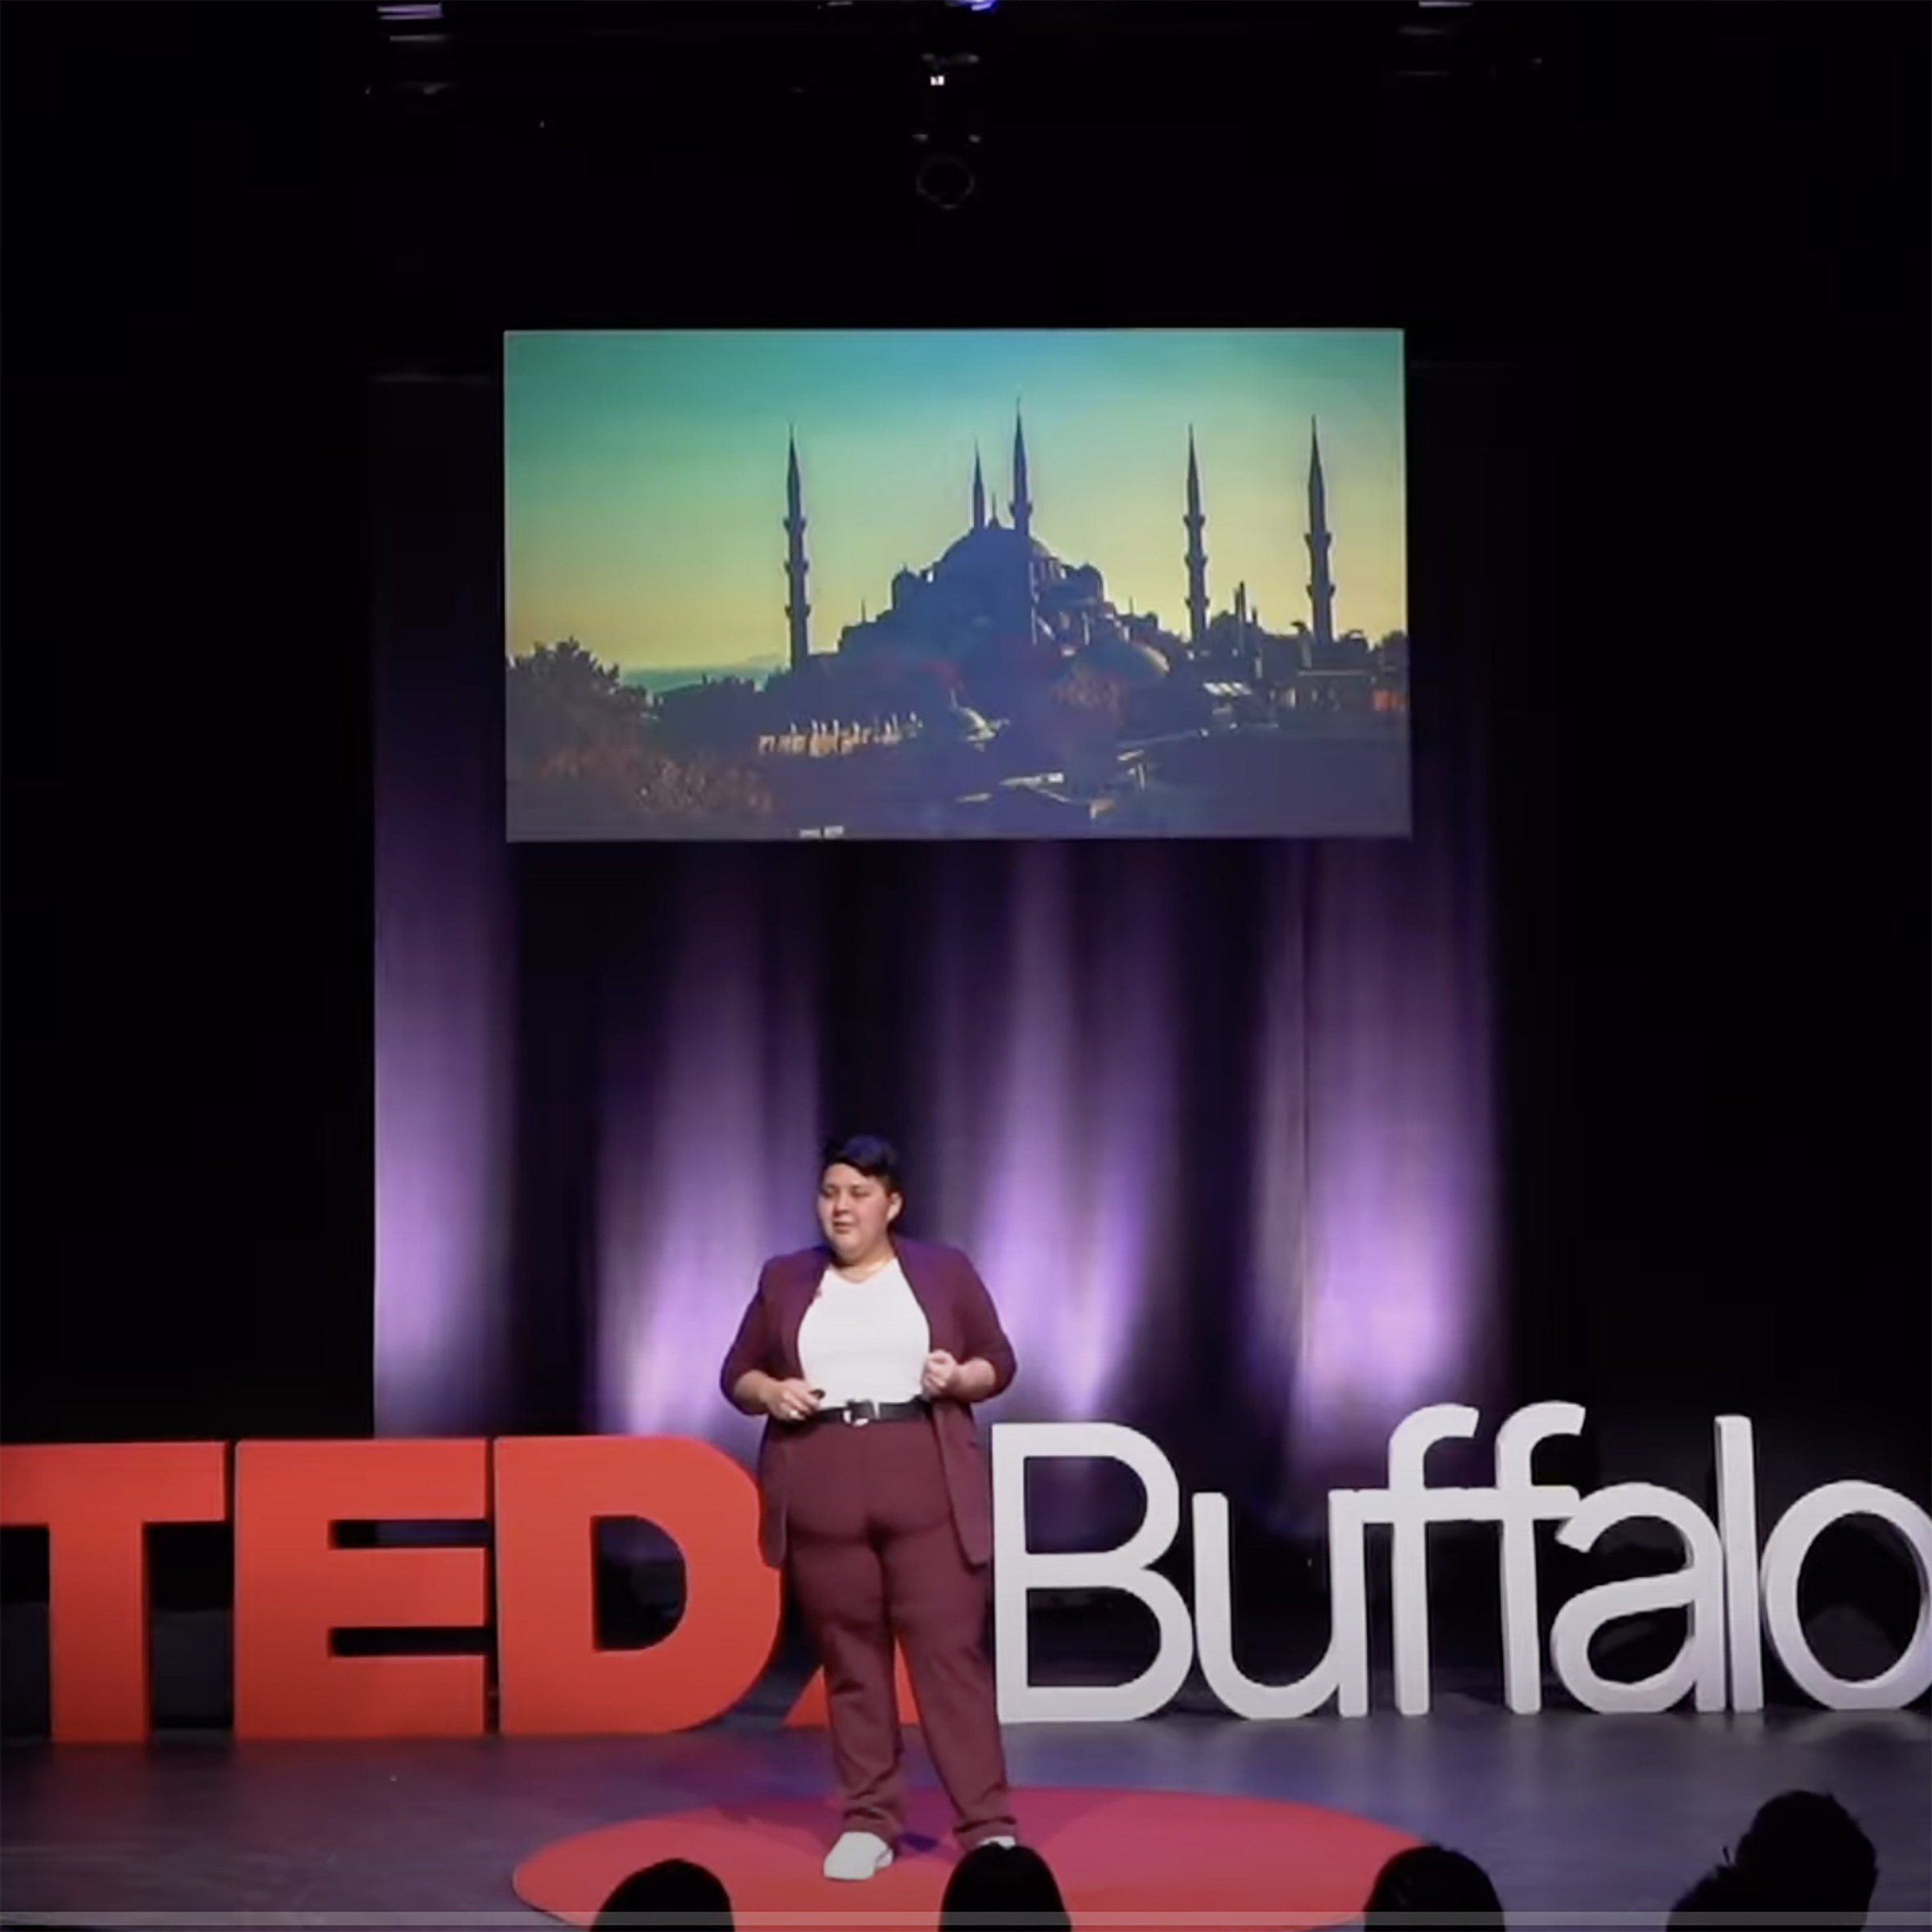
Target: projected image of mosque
{"points": [[999, 579], [999, 690]]}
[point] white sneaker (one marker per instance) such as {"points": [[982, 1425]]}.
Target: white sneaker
{"points": [[858, 1854]]}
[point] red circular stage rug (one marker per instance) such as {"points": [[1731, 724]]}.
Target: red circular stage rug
{"points": [[1145, 1859]]}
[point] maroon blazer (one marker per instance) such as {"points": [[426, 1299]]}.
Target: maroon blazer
{"points": [[961, 1316]]}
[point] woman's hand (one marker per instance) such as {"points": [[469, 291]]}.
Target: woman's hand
{"points": [[792, 1402], [940, 1377], [946, 1379]]}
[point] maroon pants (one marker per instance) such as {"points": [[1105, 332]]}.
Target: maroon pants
{"points": [[874, 1559]]}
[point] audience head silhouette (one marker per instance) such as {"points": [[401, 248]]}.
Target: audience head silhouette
{"points": [[1427, 1879], [1724, 1897], [1805, 1852], [668, 1897], [1011, 1884]]}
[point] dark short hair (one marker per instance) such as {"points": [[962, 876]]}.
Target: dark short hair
{"points": [[1807, 1850], [1010, 1885], [672, 1893], [1428, 1880], [1723, 1896], [869, 1154]]}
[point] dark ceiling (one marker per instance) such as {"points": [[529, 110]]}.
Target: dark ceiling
{"points": [[1472, 170], [1488, 175]]}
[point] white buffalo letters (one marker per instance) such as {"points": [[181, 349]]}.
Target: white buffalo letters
{"points": [[1734, 1600]]}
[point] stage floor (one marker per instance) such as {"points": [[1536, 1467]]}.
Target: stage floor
{"points": [[1573, 1814]]}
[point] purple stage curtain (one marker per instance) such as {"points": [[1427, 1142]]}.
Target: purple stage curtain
{"points": [[1216, 1119]]}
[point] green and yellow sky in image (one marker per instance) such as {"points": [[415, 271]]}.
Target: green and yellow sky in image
{"points": [[644, 473]]}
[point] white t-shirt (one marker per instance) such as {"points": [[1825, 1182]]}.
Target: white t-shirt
{"points": [[865, 1341]]}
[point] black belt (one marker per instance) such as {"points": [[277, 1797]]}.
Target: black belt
{"points": [[857, 1415]]}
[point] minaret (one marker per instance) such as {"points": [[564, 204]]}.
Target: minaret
{"points": [[797, 610], [1020, 508], [1194, 522], [1321, 586], [979, 492]]}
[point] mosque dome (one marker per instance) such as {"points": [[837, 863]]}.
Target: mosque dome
{"points": [[1136, 666], [992, 547]]}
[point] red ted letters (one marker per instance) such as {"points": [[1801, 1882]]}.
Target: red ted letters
{"points": [[294, 1586]]}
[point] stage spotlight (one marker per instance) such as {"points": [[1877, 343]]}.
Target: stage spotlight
{"points": [[945, 181]]}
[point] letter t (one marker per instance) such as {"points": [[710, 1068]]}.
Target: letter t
{"points": [[96, 1500]]}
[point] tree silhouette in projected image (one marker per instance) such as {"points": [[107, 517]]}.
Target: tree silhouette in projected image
{"points": [[585, 762], [561, 699]]}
